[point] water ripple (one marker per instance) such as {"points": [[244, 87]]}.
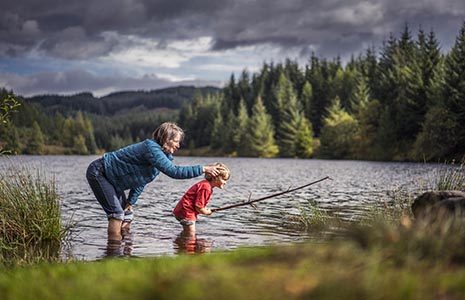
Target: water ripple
{"points": [[356, 188]]}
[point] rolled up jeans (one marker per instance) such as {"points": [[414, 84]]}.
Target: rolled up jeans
{"points": [[111, 200]]}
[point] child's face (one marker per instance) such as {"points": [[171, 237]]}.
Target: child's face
{"points": [[219, 183]]}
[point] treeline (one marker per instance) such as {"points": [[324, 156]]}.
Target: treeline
{"points": [[119, 102], [62, 125], [405, 103], [31, 131]]}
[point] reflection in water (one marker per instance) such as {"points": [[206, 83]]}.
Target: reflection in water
{"points": [[190, 244], [120, 248]]}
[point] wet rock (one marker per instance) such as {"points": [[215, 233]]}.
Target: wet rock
{"points": [[435, 201]]}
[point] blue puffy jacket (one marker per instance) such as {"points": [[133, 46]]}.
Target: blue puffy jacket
{"points": [[133, 166]]}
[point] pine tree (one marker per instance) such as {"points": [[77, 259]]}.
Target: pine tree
{"points": [[304, 139], [454, 90], [306, 99], [259, 140], [293, 73], [217, 134], [280, 93], [387, 82], [35, 144], [339, 132], [231, 95], [89, 136], [79, 145], [245, 91], [350, 79], [438, 134], [68, 132], [361, 94], [240, 128], [289, 117], [368, 117], [370, 70], [229, 129], [385, 144], [316, 75], [10, 138]]}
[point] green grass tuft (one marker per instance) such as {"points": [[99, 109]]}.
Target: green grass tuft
{"points": [[31, 229]]}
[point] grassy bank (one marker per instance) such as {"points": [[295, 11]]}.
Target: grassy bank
{"points": [[336, 270], [31, 228]]}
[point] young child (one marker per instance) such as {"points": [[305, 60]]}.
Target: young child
{"points": [[195, 200]]}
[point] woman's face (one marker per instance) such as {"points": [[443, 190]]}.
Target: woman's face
{"points": [[173, 144]]}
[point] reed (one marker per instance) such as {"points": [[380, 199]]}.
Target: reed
{"points": [[393, 233], [31, 229], [451, 177]]}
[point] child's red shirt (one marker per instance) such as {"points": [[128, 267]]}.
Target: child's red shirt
{"points": [[197, 195]]}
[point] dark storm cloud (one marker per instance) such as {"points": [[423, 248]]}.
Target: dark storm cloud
{"points": [[75, 81], [80, 29]]}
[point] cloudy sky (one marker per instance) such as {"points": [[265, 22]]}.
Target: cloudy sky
{"points": [[65, 47]]}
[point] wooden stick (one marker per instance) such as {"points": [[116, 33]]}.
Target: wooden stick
{"points": [[250, 202]]}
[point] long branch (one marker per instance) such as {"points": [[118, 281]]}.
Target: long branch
{"points": [[269, 196]]}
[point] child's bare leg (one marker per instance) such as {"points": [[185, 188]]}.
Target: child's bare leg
{"points": [[114, 229], [188, 230]]}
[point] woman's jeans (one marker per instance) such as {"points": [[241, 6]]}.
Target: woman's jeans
{"points": [[112, 201]]}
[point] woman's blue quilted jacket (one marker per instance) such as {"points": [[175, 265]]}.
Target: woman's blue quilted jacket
{"points": [[133, 166]]}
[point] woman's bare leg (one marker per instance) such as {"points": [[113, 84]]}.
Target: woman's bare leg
{"points": [[114, 229]]}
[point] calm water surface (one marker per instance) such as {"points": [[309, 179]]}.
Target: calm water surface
{"points": [[357, 186]]}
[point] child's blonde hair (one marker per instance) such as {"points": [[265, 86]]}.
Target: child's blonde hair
{"points": [[225, 173]]}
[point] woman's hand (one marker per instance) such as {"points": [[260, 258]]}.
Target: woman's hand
{"points": [[211, 170]]}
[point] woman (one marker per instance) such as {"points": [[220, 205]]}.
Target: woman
{"points": [[132, 168]]}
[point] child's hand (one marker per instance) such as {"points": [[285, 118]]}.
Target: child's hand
{"points": [[204, 210]]}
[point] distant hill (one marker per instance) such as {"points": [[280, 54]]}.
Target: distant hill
{"points": [[119, 102]]}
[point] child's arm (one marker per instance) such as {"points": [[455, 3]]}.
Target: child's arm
{"points": [[203, 210]]}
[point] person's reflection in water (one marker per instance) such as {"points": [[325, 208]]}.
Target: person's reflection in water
{"points": [[190, 244], [120, 248]]}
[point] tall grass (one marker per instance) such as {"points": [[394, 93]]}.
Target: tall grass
{"points": [[451, 178], [31, 228], [392, 231]]}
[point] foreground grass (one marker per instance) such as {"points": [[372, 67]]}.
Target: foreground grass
{"points": [[31, 228], [337, 270]]}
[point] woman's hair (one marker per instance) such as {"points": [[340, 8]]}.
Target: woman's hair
{"points": [[224, 172], [167, 131]]}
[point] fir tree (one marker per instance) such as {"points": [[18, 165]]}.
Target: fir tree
{"points": [[306, 99], [229, 130], [239, 129], [437, 135], [316, 77], [79, 145], [289, 118], [454, 90], [304, 139], [259, 140], [35, 144], [10, 139], [339, 132], [217, 134]]}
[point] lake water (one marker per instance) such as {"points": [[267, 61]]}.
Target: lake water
{"points": [[357, 187]]}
